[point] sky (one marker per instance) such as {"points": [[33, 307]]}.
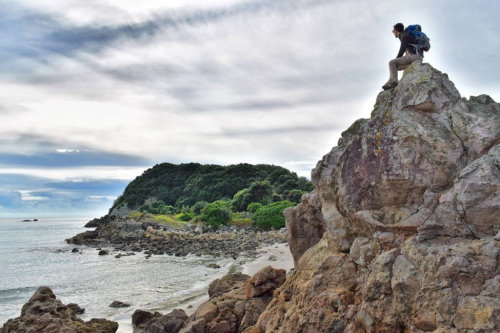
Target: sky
{"points": [[94, 92]]}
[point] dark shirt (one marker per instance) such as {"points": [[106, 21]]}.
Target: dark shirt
{"points": [[406, 41]]}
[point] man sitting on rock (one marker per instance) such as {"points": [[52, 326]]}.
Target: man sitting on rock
{"points": [[406, 55]]}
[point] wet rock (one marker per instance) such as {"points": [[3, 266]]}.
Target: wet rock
{"points": [[171, 323], [142, 319], [103, 252], [118, 304]]}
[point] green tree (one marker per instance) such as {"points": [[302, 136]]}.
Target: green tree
{"points": [[198, 207], [294, 195], [252, 208], [260, 191], [217, 213], [168, 210], [271, 216]]}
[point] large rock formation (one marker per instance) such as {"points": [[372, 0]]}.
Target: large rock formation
{"points": [[401, 232], [45, 313]]}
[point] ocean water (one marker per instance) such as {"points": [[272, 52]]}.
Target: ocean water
{"points": [[34, 254]]}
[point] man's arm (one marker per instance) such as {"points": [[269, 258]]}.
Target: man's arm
{"points": [[405, 42]]}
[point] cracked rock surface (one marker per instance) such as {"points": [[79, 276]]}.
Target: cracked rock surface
{"points": [[401, 232]]}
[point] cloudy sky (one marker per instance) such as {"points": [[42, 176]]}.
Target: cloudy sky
{"points": [[93, 92]]}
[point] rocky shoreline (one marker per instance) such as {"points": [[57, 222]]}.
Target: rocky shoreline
{"points": [[152, 238], [233, 303]]}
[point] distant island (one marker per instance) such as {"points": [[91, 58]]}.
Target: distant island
{"points": [[34, 220]]}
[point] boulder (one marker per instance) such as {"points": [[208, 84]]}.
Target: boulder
{"points": [[226, 283], [45, 313], [118, 304], [264, 282], [170, 323], [305, 225], [142, 319]]}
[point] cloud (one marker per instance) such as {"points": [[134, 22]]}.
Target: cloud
{"points": [[61, 38], [102, 187], [43, 151], [73, 159], [23, 195], [105, 88], [274, 131]]}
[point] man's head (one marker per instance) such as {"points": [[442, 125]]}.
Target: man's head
{"points": [[398, 29]]}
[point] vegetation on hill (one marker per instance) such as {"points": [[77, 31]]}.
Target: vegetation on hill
{"points": [[212, 193], [186, 184]]}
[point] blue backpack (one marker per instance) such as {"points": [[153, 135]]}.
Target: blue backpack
{"points": [[423, 42]]}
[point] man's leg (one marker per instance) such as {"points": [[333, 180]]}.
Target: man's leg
{"points": [[400, 64]]}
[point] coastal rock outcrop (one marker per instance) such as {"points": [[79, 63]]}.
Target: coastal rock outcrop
{"points": [[129, 235], [401, 232], [45, 313], [305, 225]]}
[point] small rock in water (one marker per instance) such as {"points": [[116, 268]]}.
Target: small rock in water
{"points": [[118, 304], [213, 265], [75, 250], [272, 258], [76, 308], [103, 252]]}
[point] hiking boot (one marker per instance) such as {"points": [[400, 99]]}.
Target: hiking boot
{"points": [[388, 86]]}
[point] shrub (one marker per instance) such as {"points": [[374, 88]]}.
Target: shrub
{"points": [[168, 210], [135, 215], [241, 220], [252, 208], [217, 213], [198, 207], [271, 216], [184, 217], [294, 196], [168, 220]]}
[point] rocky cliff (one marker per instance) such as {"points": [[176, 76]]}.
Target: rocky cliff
{"points": [[401, 233]]}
